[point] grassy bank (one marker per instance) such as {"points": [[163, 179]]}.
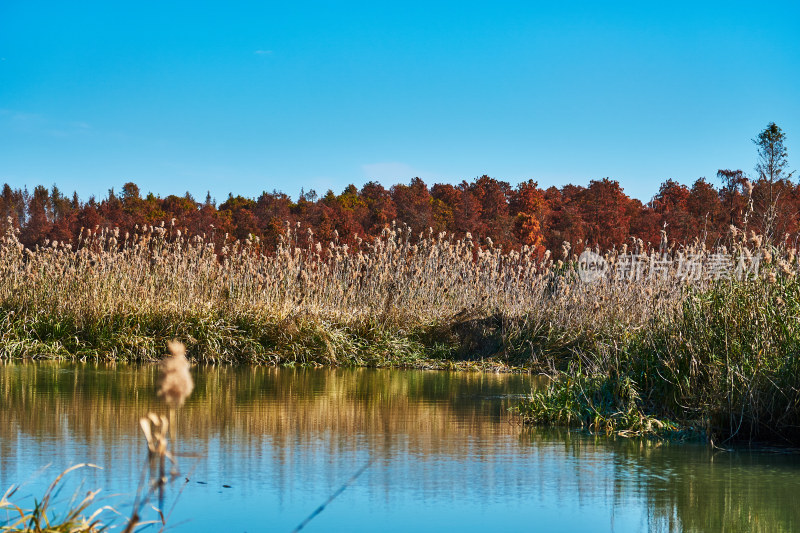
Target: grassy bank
{"points": [[724, 365]]}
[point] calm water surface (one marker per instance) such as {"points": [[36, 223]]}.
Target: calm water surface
{"points": [[446, 455]]}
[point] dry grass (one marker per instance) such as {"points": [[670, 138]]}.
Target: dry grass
{"points": [[42, 519], [399, 299]]}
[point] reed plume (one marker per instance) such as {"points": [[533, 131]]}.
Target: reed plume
{"points": [[175, 383]]}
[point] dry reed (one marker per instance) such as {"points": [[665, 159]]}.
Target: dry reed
{"points": [[396, 299]]}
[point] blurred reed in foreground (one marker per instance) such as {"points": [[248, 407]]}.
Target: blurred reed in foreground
{"points": [[174, 385]]}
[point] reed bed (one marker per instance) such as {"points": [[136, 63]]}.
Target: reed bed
{"points": [[669, 337], [400, 299]]}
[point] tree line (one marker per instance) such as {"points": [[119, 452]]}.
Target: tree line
{"points": [[513, 216]]}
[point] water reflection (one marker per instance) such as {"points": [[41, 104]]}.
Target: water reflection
{"points": [[447, 454]]}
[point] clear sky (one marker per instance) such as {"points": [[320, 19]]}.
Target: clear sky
{"points": [[245, 97]]}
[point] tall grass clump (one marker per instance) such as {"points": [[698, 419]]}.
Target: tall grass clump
{"points": [[730, 359], [722, 363]]}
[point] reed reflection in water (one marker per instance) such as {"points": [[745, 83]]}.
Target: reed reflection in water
{"points": [[447, 454]]}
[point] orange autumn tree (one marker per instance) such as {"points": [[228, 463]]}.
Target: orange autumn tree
{"points": [[529, 209]]}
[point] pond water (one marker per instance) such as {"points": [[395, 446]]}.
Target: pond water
{"points": [[443, 454]]}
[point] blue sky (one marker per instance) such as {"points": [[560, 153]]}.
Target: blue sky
{"points": [[246, 97]]}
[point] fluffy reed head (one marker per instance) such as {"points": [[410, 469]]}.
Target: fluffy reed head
{"points": [[174, 381]]}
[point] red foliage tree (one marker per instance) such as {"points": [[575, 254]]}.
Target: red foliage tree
{"points": [[671, 204], [705, 207], [39, 222], [565, 221], [604, 209], [413, 202]]}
